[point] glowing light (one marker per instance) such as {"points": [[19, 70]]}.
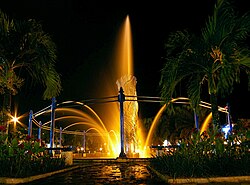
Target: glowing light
{"points": [[206, 123], [165, 143], [16, 119], [226, 130]]}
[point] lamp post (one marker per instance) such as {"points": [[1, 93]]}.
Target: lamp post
{"points": [[52, 124], [121, 99], [40, 133], [229, 119], [30, 123], [60, 137], [84, 141], [196, 120]]}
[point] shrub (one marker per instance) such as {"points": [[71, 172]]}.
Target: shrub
{"points": [[25, 157], [207, 155]]}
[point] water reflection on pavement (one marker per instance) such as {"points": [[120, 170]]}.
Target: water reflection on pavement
{"points": [[103, 173]]}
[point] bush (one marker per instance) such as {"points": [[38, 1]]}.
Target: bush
{"points": [[207, 155], [25, 157]]}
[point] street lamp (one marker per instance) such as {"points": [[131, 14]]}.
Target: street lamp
{"points": [[15, 120]]}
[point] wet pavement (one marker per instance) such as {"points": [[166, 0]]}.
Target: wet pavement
{"points": [[104, 173]]}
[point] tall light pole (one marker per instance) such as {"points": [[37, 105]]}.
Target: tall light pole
{"points": [[84, 141], [52, 124], [121, 99], [30, 123], [196, 120], [40, 133]]}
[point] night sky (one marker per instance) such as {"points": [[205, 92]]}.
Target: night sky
{"points": [[85, 31]]}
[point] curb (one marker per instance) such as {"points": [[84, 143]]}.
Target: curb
{"points": [[7, 180], [232, 179]]}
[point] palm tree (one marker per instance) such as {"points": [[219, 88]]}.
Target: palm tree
{"points": [[214, 59], [25, 51]]}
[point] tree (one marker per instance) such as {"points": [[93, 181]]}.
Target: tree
{"points": [[214, 59], [26, 51]]}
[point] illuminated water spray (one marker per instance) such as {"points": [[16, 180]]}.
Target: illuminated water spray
{"points": [[124, 51], [206, 123], [127, 82], [120, 76]]}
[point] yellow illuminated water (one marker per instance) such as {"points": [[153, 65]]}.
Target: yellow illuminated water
{"points": [[123, 55], [87, 120], [105, 118], [154, 124], [146, 150], [206, 123], [127, 80]]}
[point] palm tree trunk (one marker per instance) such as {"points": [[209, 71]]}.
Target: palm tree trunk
{"points": [[215, 112], [6, 110]]}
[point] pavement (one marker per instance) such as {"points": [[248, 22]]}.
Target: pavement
{"points": [[235, 180]]}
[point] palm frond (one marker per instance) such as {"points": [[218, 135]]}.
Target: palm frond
{"points": [[53, 84], [26, 47], [194, 91]]}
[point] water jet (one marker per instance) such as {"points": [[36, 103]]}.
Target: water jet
{"points": [[116, 114]]}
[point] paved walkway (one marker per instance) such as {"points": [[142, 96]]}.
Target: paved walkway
{"points": [[80, 162]]}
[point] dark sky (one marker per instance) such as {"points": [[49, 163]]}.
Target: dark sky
{"points": [[85, 31]]}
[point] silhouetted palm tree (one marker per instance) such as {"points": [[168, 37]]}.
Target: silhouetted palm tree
{"points": [[26, 49], [214, 59]]}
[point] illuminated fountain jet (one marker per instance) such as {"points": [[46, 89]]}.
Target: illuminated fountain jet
{"points": [[127, 81], [105, 118]]}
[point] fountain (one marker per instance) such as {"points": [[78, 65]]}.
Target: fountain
{"points": [[133, 142], [122, 73]]}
